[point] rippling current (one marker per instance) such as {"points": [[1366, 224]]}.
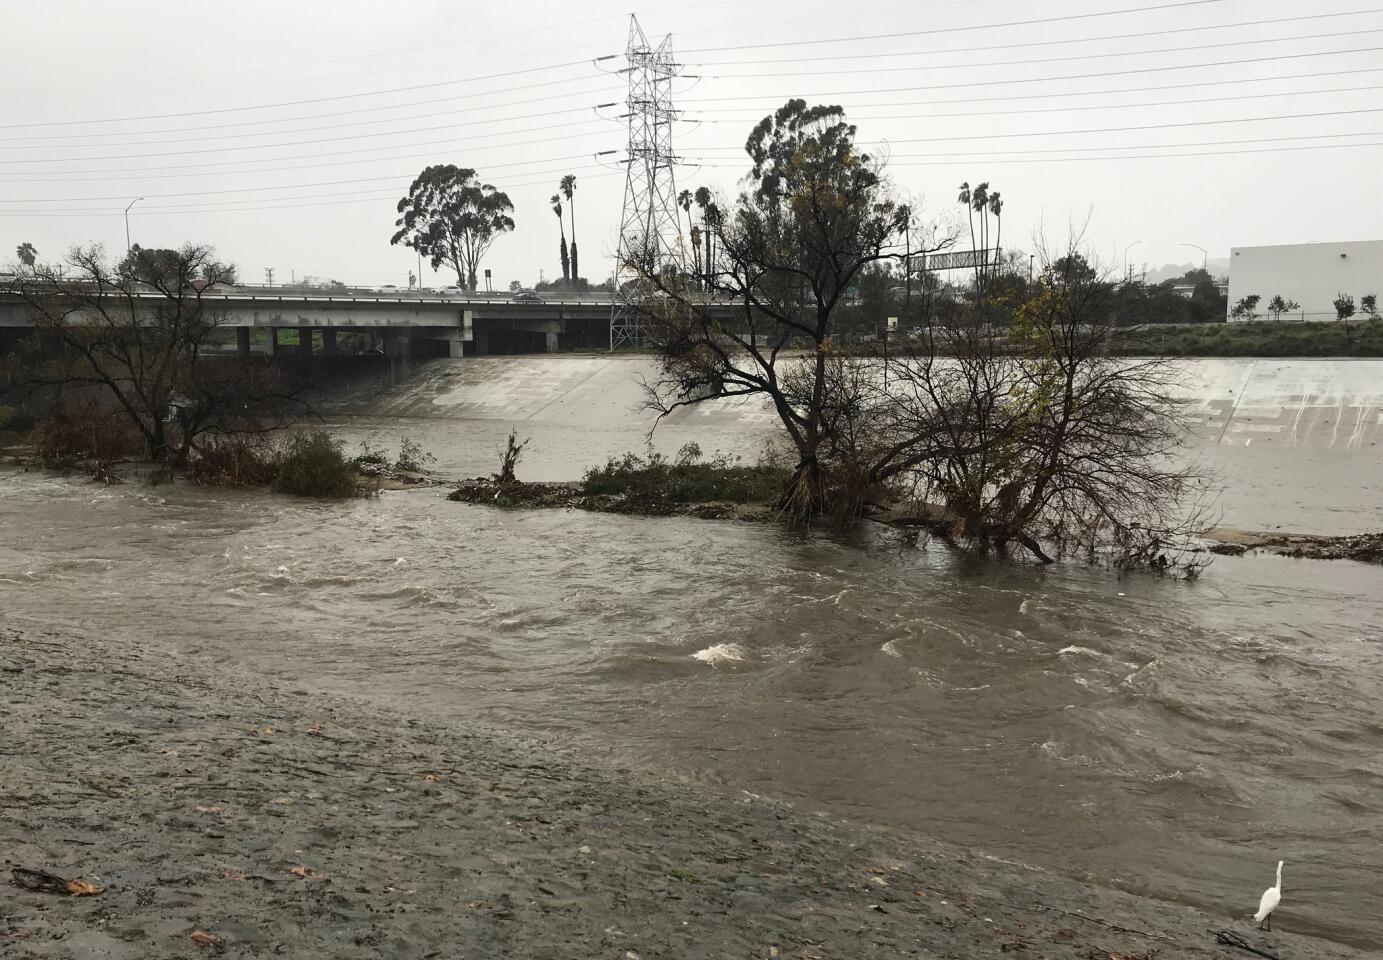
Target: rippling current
{"points": [[1170, 738]]}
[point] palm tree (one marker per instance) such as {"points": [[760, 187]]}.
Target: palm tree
{"points": [[965, 199], [704, 204], [556, 202], [26, 253], [568, 188], [996, 207], [905, 214], [684, 200]]}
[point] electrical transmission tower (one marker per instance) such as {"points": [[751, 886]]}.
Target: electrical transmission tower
{"points": [[649, 236]]}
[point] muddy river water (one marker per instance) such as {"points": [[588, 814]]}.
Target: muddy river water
{"points": [[1169, 738]]}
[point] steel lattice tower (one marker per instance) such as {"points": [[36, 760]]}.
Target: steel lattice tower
{"points": [[649, 232]]}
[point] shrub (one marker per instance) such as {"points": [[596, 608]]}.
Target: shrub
{"points": [[412, 457], [66, 438], [235, 460], [371, 456], [314, 466], [654, 478], [509, 458]]}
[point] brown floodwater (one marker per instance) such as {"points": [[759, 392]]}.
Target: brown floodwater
{"points": [[1175, 739]]}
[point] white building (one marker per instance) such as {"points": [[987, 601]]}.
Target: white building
{"points": [[1312, 274]]}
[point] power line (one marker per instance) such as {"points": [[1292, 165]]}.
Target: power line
{"points": [[1028, 110], [1079, 76], [294, 186], [314, 140], [502, 105], [1041, 96], [1139, 127], [1157, 156], [969, 27], [1089, 153], [269, 133], [164, 211], [331, 99], [1064, 41], [183, 171], [538, 177], [1018, 63]]}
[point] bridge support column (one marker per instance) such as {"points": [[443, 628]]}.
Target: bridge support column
{"points": [[273, 341], [456, 347], [305, 341], [328, 341], [551, 342], [242, 341]]}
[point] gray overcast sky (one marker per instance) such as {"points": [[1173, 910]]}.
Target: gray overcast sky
{"points": [[287, 138]]}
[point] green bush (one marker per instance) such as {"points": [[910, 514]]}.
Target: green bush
{"points": [[654, 478], [1363, 338], [314, 466]]}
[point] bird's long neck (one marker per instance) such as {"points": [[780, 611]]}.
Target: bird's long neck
{"points": [[1279, 877]]}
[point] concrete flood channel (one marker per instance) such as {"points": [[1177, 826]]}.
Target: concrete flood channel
{"points": [[1167, 738]]}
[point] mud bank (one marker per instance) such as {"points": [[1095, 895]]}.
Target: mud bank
{"points": [[269, 823], [573, 496], [1363, 547]]}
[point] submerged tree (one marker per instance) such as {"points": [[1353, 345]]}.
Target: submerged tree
{"points": [[450, 217], [1030, 432], [1006, 415], [139, 334]]}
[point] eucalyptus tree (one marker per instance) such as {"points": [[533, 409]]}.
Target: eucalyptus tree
{"points": [[452, 218], [816, 211]]}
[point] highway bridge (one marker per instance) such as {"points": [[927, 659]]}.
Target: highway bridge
{"points": [[399, 324]]}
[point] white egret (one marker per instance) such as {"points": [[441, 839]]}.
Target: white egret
{"points": [[1271, 898]]}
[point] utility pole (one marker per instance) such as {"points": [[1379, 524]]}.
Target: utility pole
{"points": [[1128, 271], [268, 276], [1205, 257], [127, 222], [650, 234]]}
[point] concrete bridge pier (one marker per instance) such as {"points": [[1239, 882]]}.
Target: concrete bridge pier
{"points": [[242, 341], [398, 349], [305, 341], [328, 341]]}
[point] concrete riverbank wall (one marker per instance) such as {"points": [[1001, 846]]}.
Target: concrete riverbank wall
{"points": [[1310, 403]]}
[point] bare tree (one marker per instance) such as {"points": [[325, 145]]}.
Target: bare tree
{"points": [[140, 333], [1029, 432]]}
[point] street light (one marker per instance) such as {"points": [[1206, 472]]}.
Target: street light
{"points": [[1205, 257], [1127, 272], [127, 223]]}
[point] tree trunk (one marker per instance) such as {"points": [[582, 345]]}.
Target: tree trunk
{"points": [[575, 269]]}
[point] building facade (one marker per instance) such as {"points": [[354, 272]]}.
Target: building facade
{"points": [[1310, 274]]}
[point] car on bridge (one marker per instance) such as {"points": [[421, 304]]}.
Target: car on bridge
{"points": [[526, 296]]}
